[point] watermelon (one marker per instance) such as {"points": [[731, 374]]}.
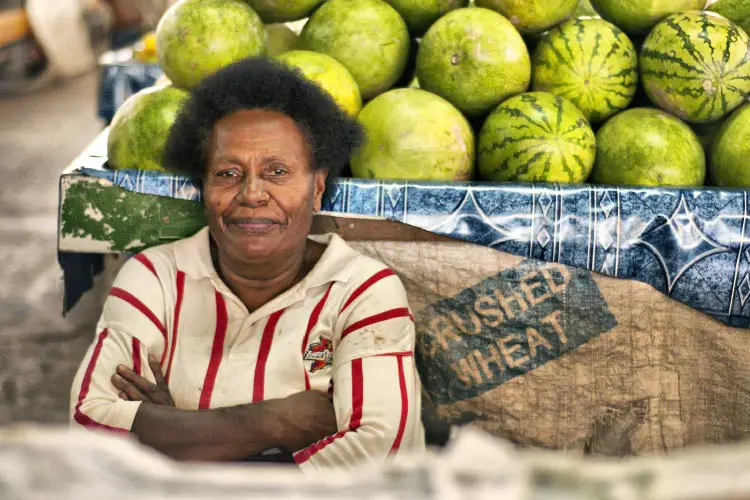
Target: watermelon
{"points": [[139, 130], [329, 74], [282, 11], [420, 14], [474, 58], [737, 11], [637, 17], [536, 137], [696, 65], [281, 39], [648, 147], [367, 36], [730, 151], [589, 62], [532, 16], [195, 38], [413, 134]]}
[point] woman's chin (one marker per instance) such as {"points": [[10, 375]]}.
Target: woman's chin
{"points": [[255, 245]]}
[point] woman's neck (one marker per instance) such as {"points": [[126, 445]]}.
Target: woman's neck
{"points": [[260, 282]]}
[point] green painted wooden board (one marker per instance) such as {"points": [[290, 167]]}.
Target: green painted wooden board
{"points": [[97, 217]]}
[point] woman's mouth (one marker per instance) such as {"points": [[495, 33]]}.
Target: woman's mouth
{"points": [[254, 225]]}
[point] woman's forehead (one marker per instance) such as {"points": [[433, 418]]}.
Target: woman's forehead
{"points": [[254, 130]]}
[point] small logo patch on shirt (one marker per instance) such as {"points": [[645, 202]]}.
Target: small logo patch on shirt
{"points": [[320, 353]]}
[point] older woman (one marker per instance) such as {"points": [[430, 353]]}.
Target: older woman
{"points": [[253, 336]]}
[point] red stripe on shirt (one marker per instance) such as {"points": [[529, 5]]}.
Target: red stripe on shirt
{"points": [[404, 405], [358, 402], [175, 326], [403, 354], [78, 415], [217, 351], [401, 312], [133, 301], [146, 262], [367, 284], [266, 340], [136, 356], [314, 316]]}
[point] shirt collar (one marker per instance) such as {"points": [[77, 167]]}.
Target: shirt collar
{"points": [[193, 256]]}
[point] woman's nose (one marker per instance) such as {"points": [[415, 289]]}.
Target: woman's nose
{"points": [[254, 191]]}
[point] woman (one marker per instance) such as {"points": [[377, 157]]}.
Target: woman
{"points": [[252, 335]]}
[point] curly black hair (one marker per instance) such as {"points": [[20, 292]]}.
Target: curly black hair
{"points": [[260, 83]]}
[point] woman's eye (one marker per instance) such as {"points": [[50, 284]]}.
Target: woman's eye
{"points": [[278, 170]]}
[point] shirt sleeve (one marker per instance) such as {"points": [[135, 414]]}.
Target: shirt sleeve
{"points": [[131, 326], [376, 386]]}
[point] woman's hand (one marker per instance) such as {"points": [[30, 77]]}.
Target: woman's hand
{"points": [[133, 387], [304, 418]]}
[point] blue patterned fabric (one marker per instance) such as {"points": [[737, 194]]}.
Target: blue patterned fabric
{"points": [[688, 243]]}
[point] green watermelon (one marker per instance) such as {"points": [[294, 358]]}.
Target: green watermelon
{"points": [[637, 17], [282, 11], [730, 151], [536, 137], [737, 11], [648, 147], [532, 16], [420, 14], [367, 36], [414, 135], [139, 129], [195, 38], [589, 62], [474, 58], [696, 65], [328, 74]]}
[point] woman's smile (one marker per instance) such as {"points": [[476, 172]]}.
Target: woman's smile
{"points": [[254, 225]]}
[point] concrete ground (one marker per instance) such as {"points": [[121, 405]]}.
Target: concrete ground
{"points": [[40, 133]]}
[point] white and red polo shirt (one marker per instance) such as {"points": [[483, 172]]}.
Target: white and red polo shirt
{"points": [[346, 325]]}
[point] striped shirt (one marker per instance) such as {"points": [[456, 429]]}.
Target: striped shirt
{"points": [[345, 327]]}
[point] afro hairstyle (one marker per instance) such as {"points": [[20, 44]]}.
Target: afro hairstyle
{"points": [[260, 83]]}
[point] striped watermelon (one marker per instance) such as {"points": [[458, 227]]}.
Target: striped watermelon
{"points": [[696, 65], [590, 62], [536, 137]]}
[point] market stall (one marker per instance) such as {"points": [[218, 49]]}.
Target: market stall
{"points": [[558, 304]]}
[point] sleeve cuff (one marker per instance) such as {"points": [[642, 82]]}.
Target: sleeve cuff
{"points": [[124, 413]]}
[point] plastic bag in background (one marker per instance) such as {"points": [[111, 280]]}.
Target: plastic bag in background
{"points": [[61, 30]]}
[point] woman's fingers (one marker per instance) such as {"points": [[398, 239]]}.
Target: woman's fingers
{"points": [[127, 389], [155, 393], [161, 383]]}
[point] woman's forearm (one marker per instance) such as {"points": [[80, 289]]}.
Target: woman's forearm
{"points": [[222, 434]]}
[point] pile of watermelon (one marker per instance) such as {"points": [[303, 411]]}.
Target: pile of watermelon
{"points": [[625, 92]]}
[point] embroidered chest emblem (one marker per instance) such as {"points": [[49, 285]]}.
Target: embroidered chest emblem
{"points": [[320, 353]]}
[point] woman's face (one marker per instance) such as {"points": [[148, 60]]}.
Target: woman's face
{"points": [[260, 189]]}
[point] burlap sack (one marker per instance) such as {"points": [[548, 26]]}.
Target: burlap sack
{"points": [[552, 356]]}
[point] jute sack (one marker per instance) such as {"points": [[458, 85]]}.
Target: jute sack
{"points": [[552, 356]]}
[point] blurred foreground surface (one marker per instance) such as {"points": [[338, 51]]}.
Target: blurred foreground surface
{"points": [[58, 464], [40, 133]]}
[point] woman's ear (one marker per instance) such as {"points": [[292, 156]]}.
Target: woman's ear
{"points": [[319, 188]]}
